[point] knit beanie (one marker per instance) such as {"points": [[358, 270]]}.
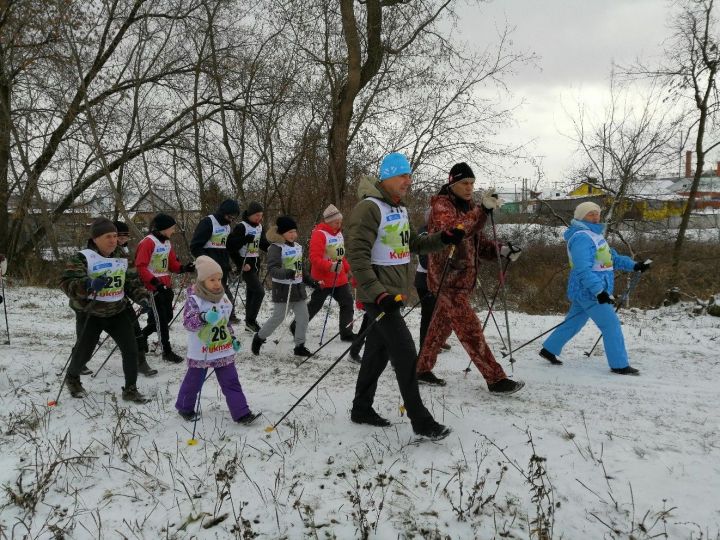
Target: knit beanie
{"points": [[394, 164], [460, 171], [122, 228], [101, 226], [229, 207], [206, 267], [254, 208], [285, 224], [331, 213], [583, 209], [162, 221]]}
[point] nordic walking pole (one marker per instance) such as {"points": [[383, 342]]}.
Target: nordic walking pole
{"points": [[287, 308], [192, 441], [63, 374], [3, 299], [240, 279], [491, 314], [269, 429], [516, 349], [327, 312], [157, 320], [619, 304], [504, 290], [111, 352]]}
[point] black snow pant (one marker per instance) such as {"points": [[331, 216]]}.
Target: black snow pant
{"points": [[358, 343], [120, 329], [427, 305], [164, 304], [254, 296], [343, 296], [390, 339]]}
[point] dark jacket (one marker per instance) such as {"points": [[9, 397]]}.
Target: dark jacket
{"points": [[74, 281], [276, 270], [236, 241], [360, 233], [202, 234]]}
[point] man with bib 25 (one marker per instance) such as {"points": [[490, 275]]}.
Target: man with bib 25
{"points": [[210, 238], [155, 259], [96, 280], [379, 242], [590, 289]]}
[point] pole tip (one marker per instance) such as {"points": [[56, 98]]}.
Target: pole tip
{"points": [[269, 429], [402, 409], [192, 442], [52, 403]]}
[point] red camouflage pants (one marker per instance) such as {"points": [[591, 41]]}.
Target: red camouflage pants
{"points": [[454, 313]]}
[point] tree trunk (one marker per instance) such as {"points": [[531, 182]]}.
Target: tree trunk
{"points": [[4, 160]]}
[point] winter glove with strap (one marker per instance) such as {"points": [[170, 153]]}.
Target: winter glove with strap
{"points": [[490, 200], [97, 284], [336, 267], [389, 304], [510, 251], [159, 285], [248, 239], [605, 298], [236, 344], [187, 268], [642, 266], [210, 317], [452, 236]]}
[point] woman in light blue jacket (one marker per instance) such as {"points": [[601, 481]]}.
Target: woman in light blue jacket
{"points": [[590, 289]]}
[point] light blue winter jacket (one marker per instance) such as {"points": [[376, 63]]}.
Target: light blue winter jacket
{"points": [[584, 283]]}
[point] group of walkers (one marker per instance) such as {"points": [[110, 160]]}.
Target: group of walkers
{"points": [[372, 253]]}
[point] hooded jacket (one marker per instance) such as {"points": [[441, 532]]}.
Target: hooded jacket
{"points": [[75, 277], [584, 283], [462, 268], [361, 231], [319, 264], [204, 230], [276, 270]]}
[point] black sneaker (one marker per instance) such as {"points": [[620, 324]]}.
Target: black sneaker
{"points": [[131, 393], [145, 369], [505, 386], [355, 357], [432, 431], [252, 326], [369, 417], [248, 419], [550, 357], [190, 416], [428, 377], [627, 370], [292, 328], [350, 336], [86, 371], [75, 387], [257, 342], [301, 350], [172, 357]]}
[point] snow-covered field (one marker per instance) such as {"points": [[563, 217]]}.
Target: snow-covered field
{"points": [[579, 453]]}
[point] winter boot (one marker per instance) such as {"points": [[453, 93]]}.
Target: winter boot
{"points": [[144, 367], [550, 357], [428, 377], [86, 371], [505, 386], [252, 326], [369, 417], [257, 342], [432, 431], [248, 419], [301, 350], [348, 336], [170, 356], [131, 393], [627, 370], [190, 416], [355, 356], [75, 387]]}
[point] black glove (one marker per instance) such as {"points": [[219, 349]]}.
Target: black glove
{"points": [[388, 304], [453, 236], [289, 273], [97, 284], [144, 303], [187, 268], [159, 285], [313, 284], [642, 266], [249, 239], [605, 298]]}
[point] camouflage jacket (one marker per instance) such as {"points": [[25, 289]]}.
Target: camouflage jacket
{"points": [[75, 277]]}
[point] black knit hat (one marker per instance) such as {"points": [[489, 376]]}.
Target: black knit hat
{"points": [[460, 171], [101, 226], [229, 207], [285, 224], [162, 221], [253, 208], [122, 227]]}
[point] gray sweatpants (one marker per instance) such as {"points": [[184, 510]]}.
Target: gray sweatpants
{"points": [[300, 311]]}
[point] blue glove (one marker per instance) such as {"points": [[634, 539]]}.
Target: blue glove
{"points": [[97, 284], [236, 345], [210, 317]]}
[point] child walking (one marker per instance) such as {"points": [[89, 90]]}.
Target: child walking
{"points": [[211, 344], [285, 266]]}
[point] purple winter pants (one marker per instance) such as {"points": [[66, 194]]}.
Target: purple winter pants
{"points": [[229, 383]]}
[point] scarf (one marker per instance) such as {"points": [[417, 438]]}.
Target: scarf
{"points": [[206, 294]]}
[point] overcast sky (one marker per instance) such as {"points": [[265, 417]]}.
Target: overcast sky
{"points": [[576, 42]]}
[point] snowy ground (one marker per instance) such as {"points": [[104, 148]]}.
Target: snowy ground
{"points": [[616, 457]]}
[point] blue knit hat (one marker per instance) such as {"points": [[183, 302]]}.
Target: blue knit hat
{"points": [[393, 165]]}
